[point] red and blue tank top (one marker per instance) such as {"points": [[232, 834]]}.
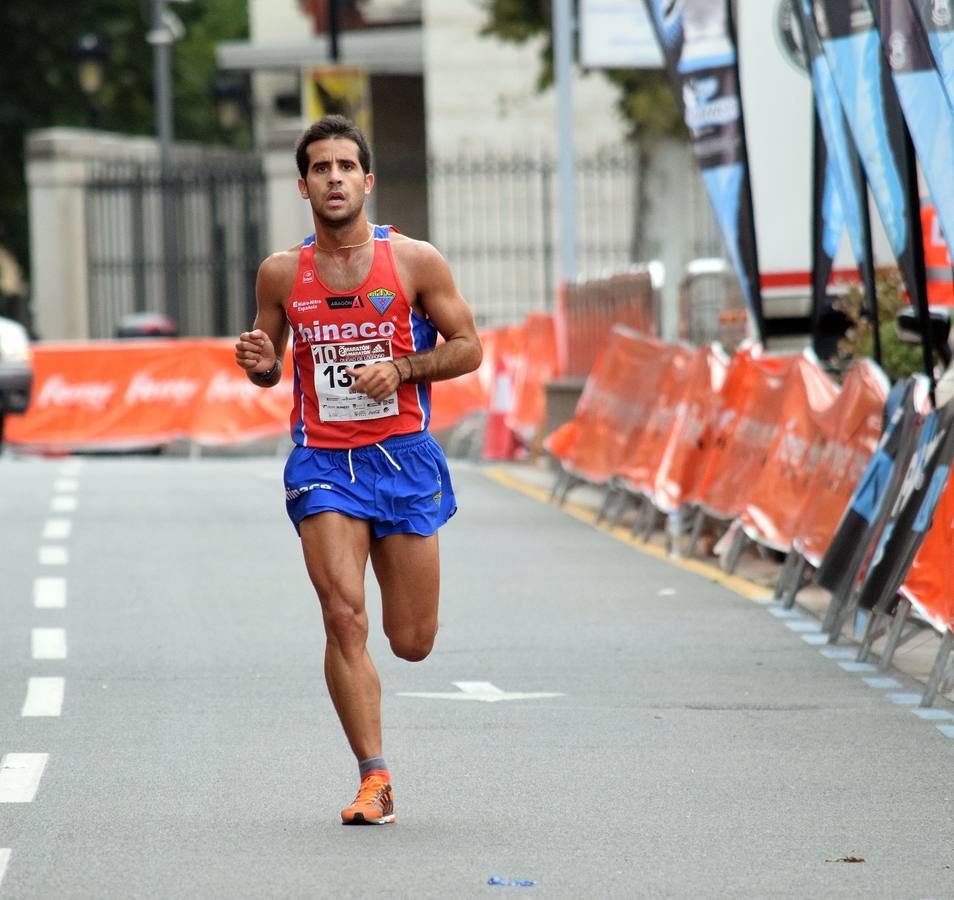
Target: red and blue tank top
{"points": [[336, 330]]}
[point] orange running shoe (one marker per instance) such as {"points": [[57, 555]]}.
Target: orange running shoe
{"points": [[374, 804]]}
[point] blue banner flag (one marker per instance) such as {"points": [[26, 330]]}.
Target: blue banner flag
{"points": [[924, 102], [699, 47], [852, 47], [937, 19]]}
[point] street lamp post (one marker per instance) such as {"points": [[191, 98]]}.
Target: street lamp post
{"points": [[91, 57]]}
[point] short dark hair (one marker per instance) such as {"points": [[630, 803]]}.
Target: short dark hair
{"points": [[332, 127]]}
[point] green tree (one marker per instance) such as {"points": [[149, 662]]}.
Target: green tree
{"points": [[39, 89], [645, 102], [645, 96]]}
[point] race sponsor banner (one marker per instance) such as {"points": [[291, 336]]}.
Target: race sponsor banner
{"points": [[937, 19], [929, 584], [748, 423], [851, 429], [840, 203], [139, 393], [861, 521], [698, 44], [912, 510], [775, 493], [682, 462], [852, 47], [924, 102], [615, 403], [642, 455]]}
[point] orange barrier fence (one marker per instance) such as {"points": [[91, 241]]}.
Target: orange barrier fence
{"points": [[586, 311], [120, 394]]}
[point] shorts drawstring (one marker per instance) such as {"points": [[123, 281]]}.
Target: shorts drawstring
{"points": [[387, 455]]}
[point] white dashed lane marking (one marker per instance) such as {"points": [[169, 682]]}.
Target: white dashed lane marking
{"points": [[64, 503], [49, 592], [66, 485], [48, 643], [4, 861], [20, 775], [44, 697], [57, 529], [53, 555]]}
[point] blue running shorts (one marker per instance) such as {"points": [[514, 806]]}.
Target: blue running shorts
{"points": [[400, 486]]}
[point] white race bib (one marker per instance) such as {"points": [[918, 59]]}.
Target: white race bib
{"points": [[333, 384]]}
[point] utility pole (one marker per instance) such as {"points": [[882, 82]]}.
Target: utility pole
{"points": [[566, 157], [334, 31]]}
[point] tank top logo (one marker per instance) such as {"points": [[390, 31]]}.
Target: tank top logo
{"points": [[381, 299]]}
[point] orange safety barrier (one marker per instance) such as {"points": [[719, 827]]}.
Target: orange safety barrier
{"points": [[682, 462], [929, 584], [746, 427], [129, 393], [616, 401], [143, 393], [534, 366], [779, 485], [937, 259], [646, 445], [852, 428]]}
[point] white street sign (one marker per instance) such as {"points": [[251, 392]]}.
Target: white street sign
{"points": [[481, 690]]}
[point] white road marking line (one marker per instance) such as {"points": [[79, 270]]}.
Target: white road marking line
{"points": [[933, 714], [53, 555], [4, 860], [20, 775], [64, 504], [805, 625], [946, 730], [882, 683], [44, 697], [904, 699], [48, 643], [839, 653], [65, 485], [72, 468], [815, 639], [666, 592], [849, 666], [781, 613], [57, 529], [49, 593]]}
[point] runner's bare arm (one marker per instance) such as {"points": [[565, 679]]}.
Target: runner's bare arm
{"points": [[259, 351], [428, 279]]}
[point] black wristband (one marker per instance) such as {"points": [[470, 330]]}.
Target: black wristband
{"points": [[268, 372]]}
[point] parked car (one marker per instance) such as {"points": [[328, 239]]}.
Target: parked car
{"points": [[16, 371]]}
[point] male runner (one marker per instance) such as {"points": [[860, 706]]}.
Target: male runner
{"points": [[364, 306]]}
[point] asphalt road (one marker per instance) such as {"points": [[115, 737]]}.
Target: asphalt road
{"points": [[178, 742]]}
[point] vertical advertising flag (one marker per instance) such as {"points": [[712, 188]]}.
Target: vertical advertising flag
{"points": [[937, 18], [924, 102], [698, 44], [852, 47], [843, 203]]}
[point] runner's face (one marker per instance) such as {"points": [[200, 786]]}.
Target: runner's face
{"points": [[335, 183]]}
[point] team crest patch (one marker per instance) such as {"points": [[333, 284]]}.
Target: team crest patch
{"points": [[381, 299]]}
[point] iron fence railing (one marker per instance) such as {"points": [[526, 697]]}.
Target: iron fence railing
{"points": [[187, 245]]}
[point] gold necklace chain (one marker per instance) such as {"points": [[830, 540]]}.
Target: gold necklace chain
{"points": [[367, 240]]}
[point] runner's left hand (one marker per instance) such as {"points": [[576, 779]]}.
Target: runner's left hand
{"points": [[378, 380]]}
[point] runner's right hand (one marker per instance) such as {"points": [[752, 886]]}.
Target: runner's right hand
{"points": [[254, 351]]}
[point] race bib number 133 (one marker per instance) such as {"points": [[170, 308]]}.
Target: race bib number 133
{"points": [[333, 384]]}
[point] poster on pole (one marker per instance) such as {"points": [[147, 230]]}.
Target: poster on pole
{"points": [[342, 90], [617, 34], [698, 44]]}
